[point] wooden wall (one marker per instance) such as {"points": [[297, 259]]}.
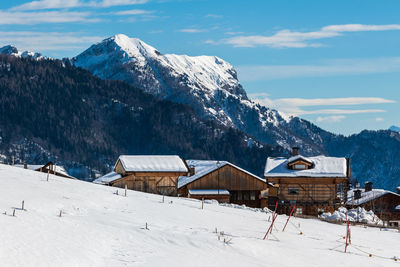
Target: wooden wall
{"points": [[229, 178], [156, 183], [312, 193], [241, 185]]}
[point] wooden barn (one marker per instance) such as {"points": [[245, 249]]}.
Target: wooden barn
{"points": [[49, 167], [152, 174], [315, 184], [222, 181], [385, 204]]}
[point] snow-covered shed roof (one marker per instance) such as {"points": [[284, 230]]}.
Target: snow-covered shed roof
{"points": [[153, 163], [322, 167], [108, 178], [204, 167], [36, 167], [209, 192], [366, 196]]}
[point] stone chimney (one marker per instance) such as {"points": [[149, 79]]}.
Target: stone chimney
{"points": [[357, 194], [191, 170], [368, 186], [295, 151]]}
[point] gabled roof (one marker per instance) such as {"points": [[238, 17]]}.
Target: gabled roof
{"points": [[108, 178], [366, 196], [299, 158], [204, 167], [36, 167], [322, 167], [152, 163]]}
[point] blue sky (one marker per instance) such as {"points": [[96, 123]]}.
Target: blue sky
{"points": [[335, 63]]}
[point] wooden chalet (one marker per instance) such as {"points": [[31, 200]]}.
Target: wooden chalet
{"points": [[384, 203], [315, 184], [222, 181], [49, 167], [152, 174]]}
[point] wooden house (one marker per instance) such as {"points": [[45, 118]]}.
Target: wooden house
{"points": [[384, 203], [49, 167], [223, 181], [152, 174], [315, 184]]}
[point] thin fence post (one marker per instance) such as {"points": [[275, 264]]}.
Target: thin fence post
{"points": [[60, 213], [202, 203], [23, 202], [126, 188], [14, 212], [48, 173]]}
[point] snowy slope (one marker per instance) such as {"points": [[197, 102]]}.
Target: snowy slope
{"points": [[100, 228]]}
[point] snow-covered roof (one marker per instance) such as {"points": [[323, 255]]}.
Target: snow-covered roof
{"points": [[204, 167], [298, 157], [366, 196], [397, 207], [36, 167], [108, 178], [322, 167], [153, 163], [209, 192]]}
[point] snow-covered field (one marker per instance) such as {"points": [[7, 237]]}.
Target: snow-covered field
{"points": [[100, 228]]}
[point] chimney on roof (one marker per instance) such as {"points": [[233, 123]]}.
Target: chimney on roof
{"points": [[191, 170], [357, 194], [368, 186], [25, 166], [295, 151]]}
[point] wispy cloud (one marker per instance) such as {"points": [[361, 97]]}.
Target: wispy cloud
{"points": [[331, 119], [328, 68], [59, 4], [47, 41], [295, 106], [213, 16], [133, 12], [192, 30], [379, 119], [30, 18], [294, 39]]}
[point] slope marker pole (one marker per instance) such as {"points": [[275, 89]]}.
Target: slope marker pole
{"points": [[289, 217]]}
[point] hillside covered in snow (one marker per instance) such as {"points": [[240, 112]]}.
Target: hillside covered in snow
{"points": [[100, 228]]}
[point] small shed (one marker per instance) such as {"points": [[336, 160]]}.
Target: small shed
{"points": [[384, 203], [211, 179], [156, 174], [49, 167]]}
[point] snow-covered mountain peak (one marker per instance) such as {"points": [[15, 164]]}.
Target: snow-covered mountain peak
{"points": [[207, 83], [13, 51]]}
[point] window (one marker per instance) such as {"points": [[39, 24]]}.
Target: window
{"points": [[239, 195], [299, 211], [252, 195], [300, 167], [293, 191], [245, 195]]}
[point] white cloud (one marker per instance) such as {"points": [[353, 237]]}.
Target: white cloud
{"points": [[379, 119], [294, 39], [59, 4], [331, 119], [294, 106], [46, 41], [213, 16], [328, 68], [30, 18], [133, 12], [192, 30]]}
